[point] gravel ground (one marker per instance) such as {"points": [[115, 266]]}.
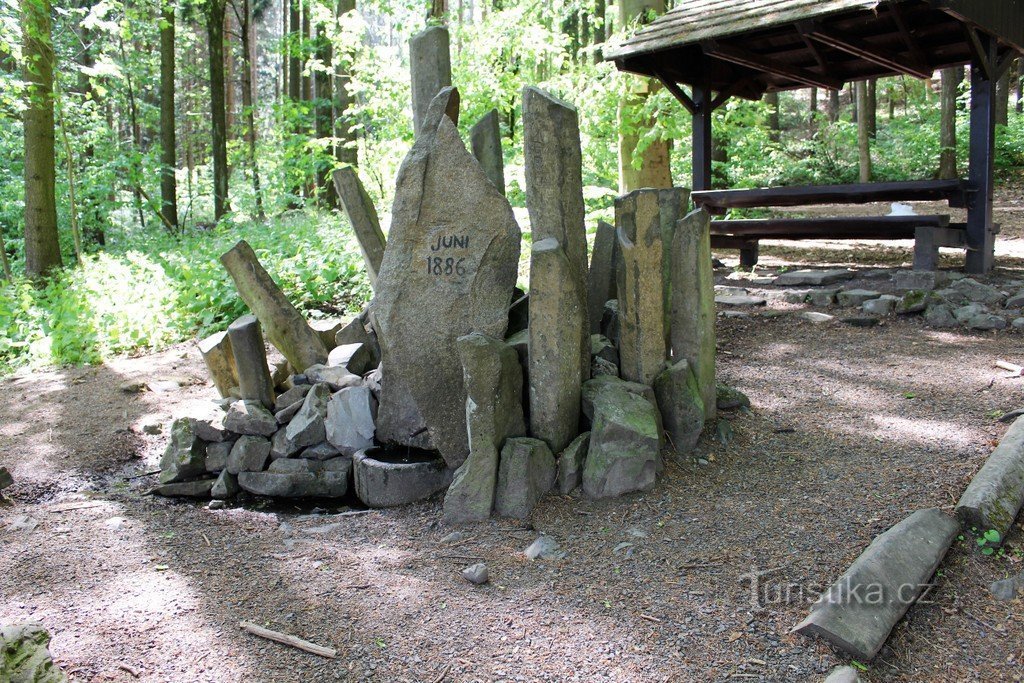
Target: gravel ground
{"points": [[852, 429]]}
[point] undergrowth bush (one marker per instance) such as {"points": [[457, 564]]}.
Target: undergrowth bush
{"points": [[165, 289]]}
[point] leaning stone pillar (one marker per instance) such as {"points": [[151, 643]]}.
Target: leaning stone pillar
{"points": [[363, 217], [254, 381], [430, 67], [601, 278], [485, 139], [220, 361]]}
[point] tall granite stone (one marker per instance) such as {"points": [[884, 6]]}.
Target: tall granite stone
{"points": [[430, 68], [692, 312], [625, 441], [527, 472], [601, 282], [494, 412], [681, 406], [250, 353], [449, 269], [220, 361], [485, 141], [643, 335], [363, 217], [554, 176], [672, 205], [559, 345]]}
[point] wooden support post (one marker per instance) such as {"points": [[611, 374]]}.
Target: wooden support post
{"points": [[701, 138], [750, 254], [980, 230]]}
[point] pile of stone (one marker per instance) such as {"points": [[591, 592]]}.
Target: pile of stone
{"points": [[509, 394]]}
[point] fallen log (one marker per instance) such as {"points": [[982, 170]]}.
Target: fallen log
{"points": [[285, 327], [285, 639]]}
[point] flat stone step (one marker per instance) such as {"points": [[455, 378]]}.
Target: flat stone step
{"points": [[813, 277], [996, 494], [860, 609]]}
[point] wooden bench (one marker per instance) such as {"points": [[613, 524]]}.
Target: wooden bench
{"points": [[928, 232]]}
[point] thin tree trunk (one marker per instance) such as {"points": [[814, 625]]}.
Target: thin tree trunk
{"points": [[76, 234], [245, 22], [814, 106], [218, 113], [346, 150], [8, 275], [229, 75], [307, 81], [136, 136], [600, 29], [871, 108], [42, 244], [1003, 98], [168, 151], [947, 124], [863, 133], [322, 117], [1018, 85], [833, 106], [772, 100]]}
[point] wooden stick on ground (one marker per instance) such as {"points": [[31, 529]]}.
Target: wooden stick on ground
{"points": [[286, 639], [1015, 369]]}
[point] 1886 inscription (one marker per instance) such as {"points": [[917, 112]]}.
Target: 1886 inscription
{"points": [[441, 265]]}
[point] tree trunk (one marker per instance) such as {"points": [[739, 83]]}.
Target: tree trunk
{"points": [[1003, 98], [600, 30], [871, 108], [218, 113], [307, 76], [42, 244], [168, 154], [8, 275], [322, 118], [814, 106], [245, 23], [294, 63], [654, 163], [772, 100], [229, 75], [346, 150], [833, 106], [947, 124], [1018, 84], [863, 132]]}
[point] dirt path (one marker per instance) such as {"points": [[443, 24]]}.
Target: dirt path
{"points": [[852, 430]]}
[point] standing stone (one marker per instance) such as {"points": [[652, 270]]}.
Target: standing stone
{"points": [[307, 427], [554, 177], [286, 328], [526, 473], [570, 463], [494, 412], [220, 361], [601, 278], [250, 353], [559, 345], [351, 415], [185, 456], [643, 336], [363, 217], [682, 409], [430, 67], [624, 453], [449, 269], [672, 205], [485, 140], [693, 303]]}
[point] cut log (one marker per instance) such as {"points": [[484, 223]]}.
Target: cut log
{"points": [[254, 382], [220, 361], [285, 327]]}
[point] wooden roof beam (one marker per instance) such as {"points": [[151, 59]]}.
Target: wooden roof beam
{"points": [[867, 52], [908, 38], [765, 64]]}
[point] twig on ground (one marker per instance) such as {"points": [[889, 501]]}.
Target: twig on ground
{"points": [[77, 506], [444, 672], [134, 672], [285, 639], [1015, 369], [468, 558], [353, 513], [144, 474], [648, 617]]}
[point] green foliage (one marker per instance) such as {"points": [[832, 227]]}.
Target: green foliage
{"points": [[166, 289]]}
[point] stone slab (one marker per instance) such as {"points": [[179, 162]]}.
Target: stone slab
{"points": [[996, 493]]}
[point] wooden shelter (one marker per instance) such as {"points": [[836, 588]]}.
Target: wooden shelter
{"points": [[723, 48]]}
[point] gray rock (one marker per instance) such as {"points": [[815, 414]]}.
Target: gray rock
{"points": [[625, 442], [544, 548], [844, 674], [963, 314], [596, 385], [599, 367], [351, 420], [977, 292], [601, 285], [940, 316], [570, 463], [217, 455], [741, 300], [25, 657], [381, 483], [5, 478], [822, 297], [559, 345], [357, 358], [730, 398], [861, 608], [307, 427], [601, 347], [519, 313], [1007, 589], [185, 455], [726, 290], [986, 322], [249, 454], [610, 321], [250, 417], [281, 446], [430, 68], [321, 451], [476, 574], [226, 486], [419, 312], [211, 428], [877, 274], [362, 216], [494, 412], [188, 489], [795, 296], [1016, 300], [914, 301], [1011, 415], [883, 305], [520, 343], [642, 283], [816, 317], [300, 478], [554, 179], [952, 297], [285, 416], [682, 409], [926, 280], [1018, 323], [250, 354], [327, 328], [485, 141], [292, 396], [526, 472], [996, 494], [336, 377], [856, 297], [816, 278], [861, 321]]}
